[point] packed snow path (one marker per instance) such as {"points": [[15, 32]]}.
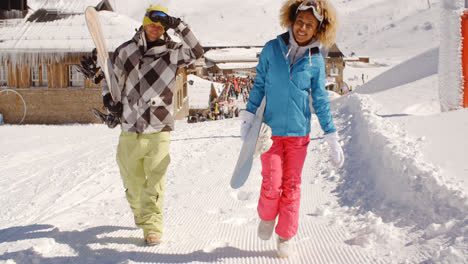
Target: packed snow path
{"points": [[63, 202]]}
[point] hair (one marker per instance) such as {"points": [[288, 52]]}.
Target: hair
{"points": [[326, 32]]}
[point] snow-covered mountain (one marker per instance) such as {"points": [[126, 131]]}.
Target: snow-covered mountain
{"points": [[367, 26], [219, 23]]}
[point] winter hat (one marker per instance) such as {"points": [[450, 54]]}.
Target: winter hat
{"points": [[160, 8]]}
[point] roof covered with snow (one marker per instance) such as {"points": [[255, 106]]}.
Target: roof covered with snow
{"points": [[40, 40], [234, 65], [63, 5], [199, 91], [233, 55]]}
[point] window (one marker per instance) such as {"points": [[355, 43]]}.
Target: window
{"points": [[75, 77], [35, 79], [3, 75], [39, 76], [334, 71], [44, 75]]}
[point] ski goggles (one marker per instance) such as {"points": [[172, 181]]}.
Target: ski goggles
{"points": [[311, 5], [153, 15]]}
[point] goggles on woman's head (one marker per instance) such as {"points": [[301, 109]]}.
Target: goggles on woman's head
{"points": [[153, 15], [311, 5]]}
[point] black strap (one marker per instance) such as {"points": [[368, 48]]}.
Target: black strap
{"points": [[314, 50], [285, 37]]}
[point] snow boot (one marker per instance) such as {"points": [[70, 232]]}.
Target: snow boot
{"points": [[284, 248], [265, 229], [153, 239]]}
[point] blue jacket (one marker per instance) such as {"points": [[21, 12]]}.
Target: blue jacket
{"points": [[287, 89]]}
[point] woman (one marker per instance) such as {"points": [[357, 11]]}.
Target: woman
{"points": [[291, 69]]}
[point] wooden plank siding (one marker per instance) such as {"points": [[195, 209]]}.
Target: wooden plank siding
{"points": [[57, 103]]}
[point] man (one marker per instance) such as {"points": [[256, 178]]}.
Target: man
{"points": [[147, 65]]}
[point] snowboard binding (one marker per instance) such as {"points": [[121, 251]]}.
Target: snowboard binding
{"points": [[110, 119]]}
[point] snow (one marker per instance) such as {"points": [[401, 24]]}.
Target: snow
{"points": [[229, 66], [401, 197], [199, 91], [233, 54], [219, 23], [39, 42], [63, 5]]}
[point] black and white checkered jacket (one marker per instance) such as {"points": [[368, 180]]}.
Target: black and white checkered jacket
{"points": [[148, 78]]}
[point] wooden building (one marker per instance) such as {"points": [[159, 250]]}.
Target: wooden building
{"points": [[11, 9], [203, 95], [232, 61], [243, 61], [38, 59], [334, 68]]}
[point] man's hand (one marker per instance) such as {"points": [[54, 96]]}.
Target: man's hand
{"points": [[115, 108], [89, 65]]}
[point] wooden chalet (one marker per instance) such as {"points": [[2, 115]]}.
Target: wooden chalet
{"points": [[335, 64], [232, 61], [38, 58]]}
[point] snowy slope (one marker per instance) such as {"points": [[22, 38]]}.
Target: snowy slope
{"points": [[393, 28], [219, 23]]}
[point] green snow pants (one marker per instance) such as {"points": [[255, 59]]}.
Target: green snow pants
{"points": [[143, 160]]}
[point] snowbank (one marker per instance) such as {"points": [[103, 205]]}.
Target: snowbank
{"points": [[396, 181]]}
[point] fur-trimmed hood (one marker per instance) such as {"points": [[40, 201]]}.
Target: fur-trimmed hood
{"points": [[329, 27]]}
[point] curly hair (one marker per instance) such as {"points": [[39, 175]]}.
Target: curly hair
{"points": [[327, 31]]}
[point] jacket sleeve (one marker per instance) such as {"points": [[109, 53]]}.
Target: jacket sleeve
{"points": [[258, 90], [321, 103], [191, 48], [118, 62]]}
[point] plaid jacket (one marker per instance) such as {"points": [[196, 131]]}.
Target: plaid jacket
{"points": [[149, 79]]}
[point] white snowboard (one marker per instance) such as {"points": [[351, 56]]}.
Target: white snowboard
{"points": [[246, 155], [94, 27]]}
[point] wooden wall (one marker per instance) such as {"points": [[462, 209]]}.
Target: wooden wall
{"points": [[58, 103], [57, 74], [181, 106], [339, 64], [51, 105]]}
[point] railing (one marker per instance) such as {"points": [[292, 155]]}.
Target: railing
{"points": [[6, 90]]}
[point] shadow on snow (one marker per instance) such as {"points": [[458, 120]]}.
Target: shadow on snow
{"points": [[80, 242]]}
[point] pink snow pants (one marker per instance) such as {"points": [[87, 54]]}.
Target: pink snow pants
{"points": [[281, 186]]}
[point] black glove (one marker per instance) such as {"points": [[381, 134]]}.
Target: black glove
{"points": [[99, 77], [89, 65], [113, 107], [169, 22]]}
